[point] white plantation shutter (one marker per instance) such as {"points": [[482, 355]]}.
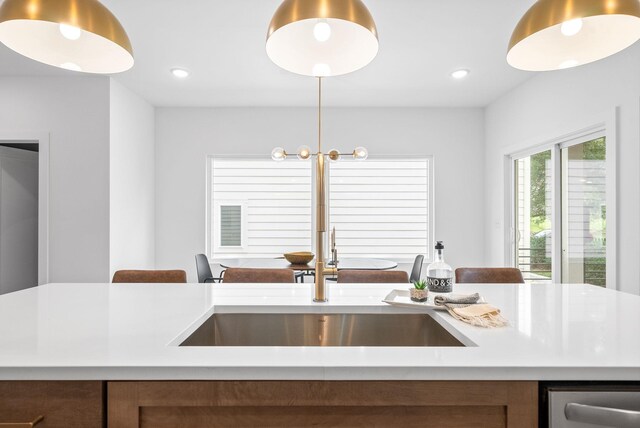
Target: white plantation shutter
{"points": [[381, 208], [277, 199]]}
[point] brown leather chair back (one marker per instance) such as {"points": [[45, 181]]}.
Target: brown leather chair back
{"points": [[489, 275], [246, 275], [372, 276], [157, 276]]}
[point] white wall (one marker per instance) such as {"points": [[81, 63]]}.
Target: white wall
{"points": [[185, 136], [132, 181], [549, 104], [74, 112]]}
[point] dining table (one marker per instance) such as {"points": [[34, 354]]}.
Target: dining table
{"points": [[281, 263]]}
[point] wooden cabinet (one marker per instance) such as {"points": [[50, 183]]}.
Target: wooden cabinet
{"points": [[63, 404], [327, 404]]}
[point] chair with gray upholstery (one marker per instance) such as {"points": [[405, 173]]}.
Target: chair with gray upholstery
{"points": [[204, 270], [417, 269]]}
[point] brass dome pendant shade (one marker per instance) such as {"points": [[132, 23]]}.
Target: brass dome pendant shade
{"points": [[79, 35], [557, 34], [322, 37]]}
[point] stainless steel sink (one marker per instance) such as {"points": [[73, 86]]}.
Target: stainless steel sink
{"points": [[321, 330]]}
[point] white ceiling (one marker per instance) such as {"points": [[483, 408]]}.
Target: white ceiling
{"points": [[222, 43]]}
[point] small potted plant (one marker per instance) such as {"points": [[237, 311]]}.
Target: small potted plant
{"points": [[418, 292]]}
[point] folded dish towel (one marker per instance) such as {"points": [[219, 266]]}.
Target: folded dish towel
{"points": [[467, 309]]}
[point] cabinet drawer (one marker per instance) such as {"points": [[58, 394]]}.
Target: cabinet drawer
{"points": [[62, 404]]}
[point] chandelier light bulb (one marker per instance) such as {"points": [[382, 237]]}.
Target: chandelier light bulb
{"points": [[334, 155], [572, 27], [304, 152], [278, 154], [322, 31], [360, 153], [70, 32]]}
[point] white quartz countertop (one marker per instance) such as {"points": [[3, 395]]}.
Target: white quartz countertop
{"points": [[131, 331]]}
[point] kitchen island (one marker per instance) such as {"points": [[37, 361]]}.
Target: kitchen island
{"points": [[131, 332]]}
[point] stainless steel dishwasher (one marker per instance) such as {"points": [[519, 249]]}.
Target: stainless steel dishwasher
{"points": [[591, 406]]}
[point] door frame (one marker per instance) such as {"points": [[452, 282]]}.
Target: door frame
{"points": [[605, 124], [43, 140]]}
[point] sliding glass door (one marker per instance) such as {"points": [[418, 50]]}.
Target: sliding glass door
{"points": [[584, 213], [560, 210], [533, 231]]}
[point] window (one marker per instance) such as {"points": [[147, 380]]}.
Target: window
{"points": [[231, 223], [380, 208], [259, 208], [560, 211]]}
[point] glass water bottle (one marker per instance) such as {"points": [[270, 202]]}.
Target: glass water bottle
{"points": [[439, 274]]}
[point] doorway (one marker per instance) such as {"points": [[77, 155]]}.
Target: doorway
{"points": [[23, 213], [559, 205]]}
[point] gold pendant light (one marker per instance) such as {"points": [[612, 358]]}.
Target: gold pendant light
{"points": [[322, 37], [79, 35], [557, 34]]}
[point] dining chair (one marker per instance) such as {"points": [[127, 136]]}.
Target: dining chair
{"points": [[489, 276], [204, 270], [372, 276], [299, 275], [247, 275], [155, 276], [417, 268]]}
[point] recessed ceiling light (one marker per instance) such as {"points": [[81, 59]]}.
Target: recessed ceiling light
{"points": [[180, 73], [460, 74]]}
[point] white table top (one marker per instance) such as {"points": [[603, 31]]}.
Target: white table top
{"points": [[343, 264], [129, 331]]}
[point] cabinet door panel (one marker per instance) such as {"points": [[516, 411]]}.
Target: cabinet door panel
{"points": [[63, 404], [326, 404]]}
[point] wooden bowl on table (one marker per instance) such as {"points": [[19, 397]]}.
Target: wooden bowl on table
{"points": [[299, 257]]}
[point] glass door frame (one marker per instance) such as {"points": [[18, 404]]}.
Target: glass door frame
{"points": [[606, 130], [556, 241]]}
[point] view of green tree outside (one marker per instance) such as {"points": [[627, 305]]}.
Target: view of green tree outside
{"points": [[540, 227]]}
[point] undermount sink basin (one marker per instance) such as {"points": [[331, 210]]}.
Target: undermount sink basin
{"points": [[320, 330]]}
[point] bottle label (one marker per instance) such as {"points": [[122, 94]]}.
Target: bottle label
{"points": [[440, 285]]}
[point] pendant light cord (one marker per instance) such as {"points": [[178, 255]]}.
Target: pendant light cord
{"points": [[319, 114]]}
